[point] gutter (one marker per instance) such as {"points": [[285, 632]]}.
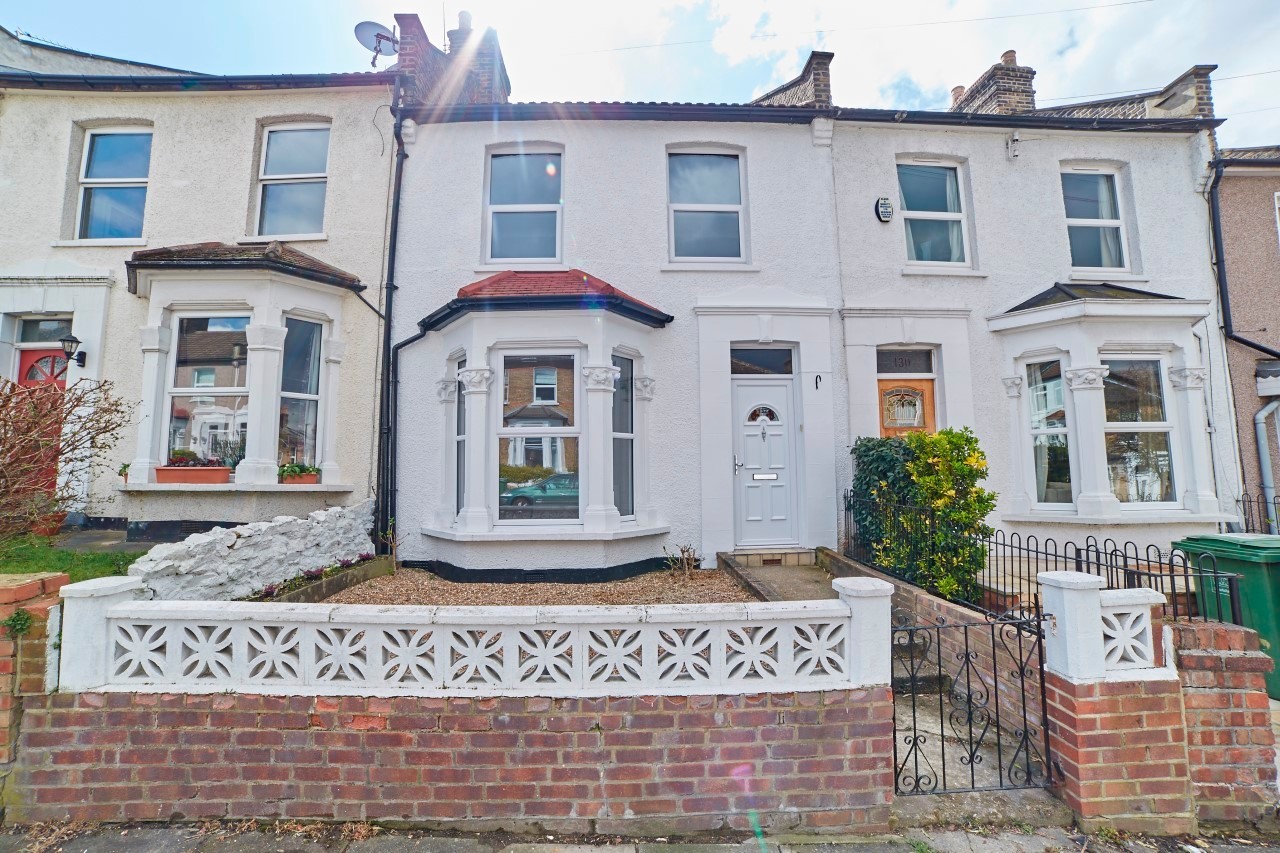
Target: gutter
{"points": [[1220, 261], [188, 82], [385, 505]]}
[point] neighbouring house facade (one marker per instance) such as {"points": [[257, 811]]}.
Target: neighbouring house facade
{"points": [[596, 365], [1246, 203], [216, 245]]}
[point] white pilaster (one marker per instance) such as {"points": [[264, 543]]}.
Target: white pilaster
{"points": [[261, 461], [1020, 499], [1073, 641], [644, 388], [150, 450], [85, 642], [474, 516], [1198, 495], [600, 513], [330, 471], [1095, 497]]}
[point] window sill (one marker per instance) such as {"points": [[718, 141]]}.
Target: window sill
{"points": [[1166, 516], [538, 533], [523, 266], [710, 266], [1082, 275], [113, 241], [234, 487], [962, 272], [281, 238]]}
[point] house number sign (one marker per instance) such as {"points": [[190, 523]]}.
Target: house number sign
{"points": [[884, 209]]}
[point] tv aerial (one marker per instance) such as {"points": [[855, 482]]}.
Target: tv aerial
{"points": [[377, 38]]}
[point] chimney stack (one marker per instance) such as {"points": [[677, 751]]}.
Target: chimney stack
{"points": [[1004, 89], [811, 89]]}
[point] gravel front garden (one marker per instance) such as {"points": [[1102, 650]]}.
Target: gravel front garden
{"points": [[412, 586]]}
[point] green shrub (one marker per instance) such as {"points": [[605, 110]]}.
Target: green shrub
{"points": [[523, 473], [927, 512]]}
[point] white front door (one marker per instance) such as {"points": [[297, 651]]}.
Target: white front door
{"points": [[764, 462]]}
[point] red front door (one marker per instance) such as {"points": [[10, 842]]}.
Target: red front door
{"points": [[42, 366]]}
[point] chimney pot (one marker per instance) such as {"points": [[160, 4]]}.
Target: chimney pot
{"points": [[956, 94], [1009, 57], [464, 20]]}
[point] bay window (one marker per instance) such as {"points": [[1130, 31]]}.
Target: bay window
{"points": [[524, 206], [705, 206], [624, 438], [1094, 225], [300, 392], [209, 390], [1050, 441], [1138, 432], [538, 448], [460, 441], [932, 213]]}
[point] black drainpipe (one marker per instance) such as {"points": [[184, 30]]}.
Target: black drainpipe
{"points": [[1220, 266], [384, 513]]}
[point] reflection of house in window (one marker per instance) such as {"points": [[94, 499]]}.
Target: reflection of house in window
{"points": [[544, 385], [538, 396]]}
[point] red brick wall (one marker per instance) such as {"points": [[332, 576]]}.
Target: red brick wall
{"points": [[1121, 751], [639, 764], [1230, 743], [22, 658]]}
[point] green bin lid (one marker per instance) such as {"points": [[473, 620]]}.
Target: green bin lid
{"points": [[1250, 547]]}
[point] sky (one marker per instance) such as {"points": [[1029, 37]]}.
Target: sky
{"points": [[907, 54]]}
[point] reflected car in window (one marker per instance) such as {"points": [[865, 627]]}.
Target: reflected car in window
{"points": [[557, 490]]}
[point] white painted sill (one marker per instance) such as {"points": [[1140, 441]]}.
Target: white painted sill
{"points": [[707, 267], [945, 272], [532, 533], [234, 487], [281, 238], [1157, 517], [522, 266], [1117, 277], [115, 241]]}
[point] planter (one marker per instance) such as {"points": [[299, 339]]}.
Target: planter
{"points": [[49, 525], [300, 479], [320, 589], [184, 474]]}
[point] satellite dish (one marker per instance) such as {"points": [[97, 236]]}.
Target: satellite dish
{"points": [[377, 38]]}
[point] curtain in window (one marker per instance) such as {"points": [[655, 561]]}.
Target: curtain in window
{"points": [[935, 240]]}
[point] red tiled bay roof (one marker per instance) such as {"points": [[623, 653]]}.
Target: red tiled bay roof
{"points": [[559, 283]]}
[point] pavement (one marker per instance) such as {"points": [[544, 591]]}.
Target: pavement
{"points": [[99, 541], [361, 838]]}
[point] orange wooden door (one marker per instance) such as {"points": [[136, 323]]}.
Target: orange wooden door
{"points": [[42, 366], [906, 405]]}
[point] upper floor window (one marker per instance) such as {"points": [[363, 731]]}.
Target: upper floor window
{"points": [[524, 206], [113, 184], [705, 206], [932, 213], [1094, 225], [292, 180]]}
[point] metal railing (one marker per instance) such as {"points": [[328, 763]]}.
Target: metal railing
{"points": [[1260, 514], [1005, 565]]}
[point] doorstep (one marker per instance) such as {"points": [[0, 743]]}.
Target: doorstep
{"points": [[803, 580]]}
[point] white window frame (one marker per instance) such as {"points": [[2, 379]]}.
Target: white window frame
{"points": [[554, 384], [318, 397], [490, 209], [1277, 200], [579, 355], [744, 251], [86, 182], [460, 430], [1168, 426], [171, 368], [632, 436], [1114, 172], [962, 217], [301, 178], [1068, 430]]}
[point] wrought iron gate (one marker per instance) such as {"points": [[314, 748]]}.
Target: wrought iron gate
{"points": [[969, 704]]}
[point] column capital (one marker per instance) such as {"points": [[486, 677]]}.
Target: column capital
{"points": [[1087, 378], [446, 390], [155, 338], [475, 380], [645, 387], [601, 377], [1187, 378], [335, 350], [264, 336], [1012, 386]]}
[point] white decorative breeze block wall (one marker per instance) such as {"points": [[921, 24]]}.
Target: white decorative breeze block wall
{"points": [[113, 641], [1096, 634], [230, 563]]}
